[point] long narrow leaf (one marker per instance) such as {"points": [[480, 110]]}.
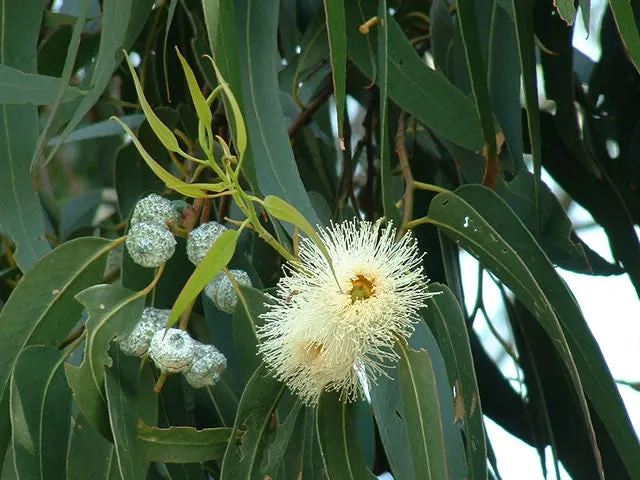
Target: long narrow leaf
{"points": [[445, 318], [341, 453], [40, 412], [42, 308]]}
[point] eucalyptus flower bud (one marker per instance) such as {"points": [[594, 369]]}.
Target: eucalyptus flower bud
{"points": [[207, 366], [220, 290], [202, 239], [156, 210], [138, 341], [150, 245], [172, 350]]}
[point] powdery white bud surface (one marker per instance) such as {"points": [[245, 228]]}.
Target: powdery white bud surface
{"points": [[156, 210], [172, 350], [202, 239], [138, 341], [207, 366], [220, 290], [150, 245]]}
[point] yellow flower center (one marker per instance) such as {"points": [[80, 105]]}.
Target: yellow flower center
{"points": [[361, 288], [310, 353]]}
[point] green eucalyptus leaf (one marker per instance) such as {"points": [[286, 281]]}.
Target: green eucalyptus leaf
{"points": [[416, 88], [164, 134], [131, 399], [523, 20], [275, 164], [18, 87], [392, 424], [113, 311], [435, 441], [337, 33], [282, 210], [20, 211], [202, 107], [509, 250], [555, 236], [169, 179], [388, 202], [341, 452], [255, 420], [251, 303], [121, 24], [478, 75], [566, 10], [445, 319], [220, 23], [42, 309], [41, 408], [105, 128], [275, 451], [90, 455], [183, 444]]}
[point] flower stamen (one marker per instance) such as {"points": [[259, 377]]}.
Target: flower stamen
{"points": [[361, 288], [317, 339], [310, 352]]}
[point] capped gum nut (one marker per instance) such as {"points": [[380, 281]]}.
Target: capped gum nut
{"points": [[155, 209], [206, 367], [223, 294], [202, 239], [150, 245], [137, 342], [171, 350]]}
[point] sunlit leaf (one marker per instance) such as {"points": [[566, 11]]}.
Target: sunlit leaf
{"points": [[216, 259]]}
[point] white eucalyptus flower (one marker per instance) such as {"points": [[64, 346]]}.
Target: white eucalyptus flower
{"points": [[150, 245], [206, 367], [220, 290], [137, 342], [172, 350], [156, 210], [201, 239], [328, 326]]}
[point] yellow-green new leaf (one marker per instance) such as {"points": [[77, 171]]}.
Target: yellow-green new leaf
{"points": [[216, 259], [241, 130], [171, 181], [212, 187], [202, 107], [285, 211], [164, 133]]}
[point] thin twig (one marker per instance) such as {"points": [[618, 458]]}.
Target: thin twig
{"points": [[403, 156], [304, 116], [348, 164], [369, 187], [205, 213]]}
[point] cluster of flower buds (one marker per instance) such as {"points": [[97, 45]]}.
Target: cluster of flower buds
{"points": [[150, 242], [173, 350], [222, 292]]}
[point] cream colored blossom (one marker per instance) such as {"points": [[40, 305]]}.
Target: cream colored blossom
{"points": [[325, 328]]}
